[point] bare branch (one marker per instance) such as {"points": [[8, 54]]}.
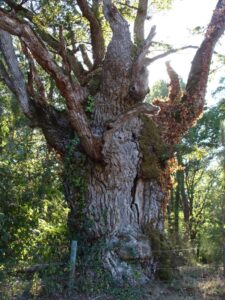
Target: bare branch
{"points": [[19, 87], [97, 40], [141, 59], [4, 76], [128, 5], [39, 97], [55, 125], [85, 57], [63, 52], [171, 51], [140, 21], [77, 67], [73, 93], [139, 73]]}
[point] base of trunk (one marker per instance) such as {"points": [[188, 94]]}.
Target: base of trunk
{"points": [[123, 258], [115, 205], [128, 257]]}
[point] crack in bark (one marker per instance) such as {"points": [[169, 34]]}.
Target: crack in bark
{"points": [[133, 195]]}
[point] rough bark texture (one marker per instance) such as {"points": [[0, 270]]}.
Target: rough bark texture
{"points": [[116, 162]]}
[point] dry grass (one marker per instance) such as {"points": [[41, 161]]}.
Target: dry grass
{"points": [[192, 283]]}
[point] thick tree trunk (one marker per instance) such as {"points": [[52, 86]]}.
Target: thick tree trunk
{"points": [[121, 208], [117, 191], [121, 204]]}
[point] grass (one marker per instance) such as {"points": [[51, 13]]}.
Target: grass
{"points": [[199, 282]]}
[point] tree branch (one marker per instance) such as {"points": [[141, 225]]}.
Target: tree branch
{"points": [[151, 60], [18, 85], [140, 21], [177, 118], [6, 78], [97, 40], [141, 59], [55, 125], [139, 73], [39, 97], [73, 93], [118, 59], [175, 90], [113, 16], [77, 67], [197, 80], [171, 51], [85, 57]]}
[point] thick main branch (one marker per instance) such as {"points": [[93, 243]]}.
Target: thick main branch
{"points": [[197, 80], [72, 92], [177, 117], [16, 83], [23, 12]]}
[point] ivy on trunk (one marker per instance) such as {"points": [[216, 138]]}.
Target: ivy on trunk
{"points": [[117, 151]]}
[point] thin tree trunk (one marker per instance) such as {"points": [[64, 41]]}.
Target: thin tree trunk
{"points": [[177, 209]]}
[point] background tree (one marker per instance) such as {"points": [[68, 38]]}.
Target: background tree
{"points": [[116, 150], [196, 200], [32, 211]]}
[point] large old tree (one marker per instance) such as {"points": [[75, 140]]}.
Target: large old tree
{"points": [[116, 150]]}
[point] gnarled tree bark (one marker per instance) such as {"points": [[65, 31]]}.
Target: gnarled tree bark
{"points": [[116, 164]]}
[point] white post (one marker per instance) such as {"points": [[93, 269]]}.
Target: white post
{"points": [[224, 259], [73, 256]]}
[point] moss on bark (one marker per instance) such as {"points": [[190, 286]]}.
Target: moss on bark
{"points": [[153, 149]]}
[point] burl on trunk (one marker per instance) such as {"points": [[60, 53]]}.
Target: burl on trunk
{"points": [[117, 159]]}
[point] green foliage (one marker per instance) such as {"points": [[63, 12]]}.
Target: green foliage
{"points": [[90, 104], [203, 185], [32, 211], [206, 133], [198, 185], [211, 234], [159, 90], [162, 4], [75, 176]]}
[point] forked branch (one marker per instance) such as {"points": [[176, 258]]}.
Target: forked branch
{"points": [[76, 66], [177, 117], [40, 96], [55, 124], [97, 40], [141, 58], [73, 93]]}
